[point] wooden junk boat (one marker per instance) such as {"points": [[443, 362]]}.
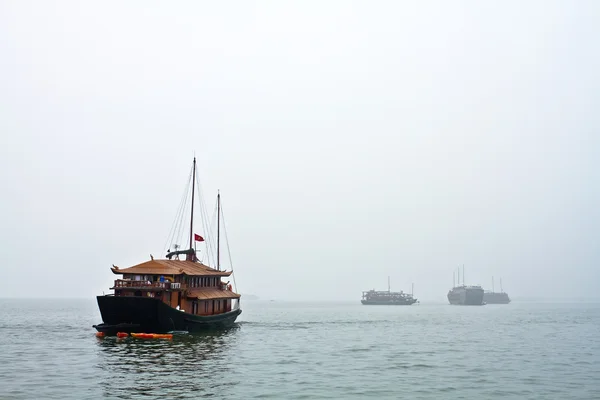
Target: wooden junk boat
{"points": [[493, 297], [172, 294]]}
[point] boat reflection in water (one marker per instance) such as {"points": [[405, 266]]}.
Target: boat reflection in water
{"points": [[192, 366]]}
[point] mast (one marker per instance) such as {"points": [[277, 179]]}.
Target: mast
{"points": [[218, 230], [192, 215], [501, 291], [458, 277], [388, 284]]}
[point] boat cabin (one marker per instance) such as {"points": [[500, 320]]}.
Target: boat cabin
{"points": [[186, 285]]}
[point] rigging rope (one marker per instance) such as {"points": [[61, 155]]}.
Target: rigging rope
{"points": [[177, 223], [177, 239], [211, 244], [228, 250], [205, 222]]}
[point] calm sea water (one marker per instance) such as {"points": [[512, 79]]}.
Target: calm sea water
{"points": [[285, 350]]}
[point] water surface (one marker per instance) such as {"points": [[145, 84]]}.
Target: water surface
{"points": [[283, 350]]}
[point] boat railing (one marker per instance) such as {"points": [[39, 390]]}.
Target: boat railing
{"points": [[127, 283]]}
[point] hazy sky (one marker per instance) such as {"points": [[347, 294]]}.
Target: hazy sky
{"points": [[350, 141]]}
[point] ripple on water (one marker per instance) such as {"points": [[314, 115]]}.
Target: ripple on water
{"points": [[293, 352]]}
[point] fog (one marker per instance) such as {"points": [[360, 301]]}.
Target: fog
{"points": [[351, 141]]}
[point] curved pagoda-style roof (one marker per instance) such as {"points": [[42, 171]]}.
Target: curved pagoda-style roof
{"points": [[212, 294], [170, 267]]}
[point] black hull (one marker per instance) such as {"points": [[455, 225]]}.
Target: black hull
{"points": [[387, 303], [150, 315]]}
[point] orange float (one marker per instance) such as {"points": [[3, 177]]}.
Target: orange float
{"points": [[152, 336], [162, 336], [122, 334], [99, 334]]}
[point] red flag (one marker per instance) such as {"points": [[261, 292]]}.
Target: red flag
{"points": [[198, 238]]}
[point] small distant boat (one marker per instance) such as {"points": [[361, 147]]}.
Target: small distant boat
{"points": [[387, 298], [493, 297], [167, 295], [464, 295]]}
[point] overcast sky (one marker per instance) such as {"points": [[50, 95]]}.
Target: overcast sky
{"points": [[351, 141]]}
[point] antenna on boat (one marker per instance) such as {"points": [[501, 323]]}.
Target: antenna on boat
{"points": [[191, 257], [218, 230]]}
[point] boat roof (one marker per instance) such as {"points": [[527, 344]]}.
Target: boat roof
{"points": [[467, 287], [170, 267], [210, 294], [384, 292]]}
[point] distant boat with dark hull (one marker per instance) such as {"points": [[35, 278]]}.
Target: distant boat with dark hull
{"points": [[387, 298], [166, 295], [493, 297], [464, 295]]}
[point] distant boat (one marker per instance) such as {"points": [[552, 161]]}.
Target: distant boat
{"points": [[387, 298], [493, 297], [160, 296], [464, 295]]}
